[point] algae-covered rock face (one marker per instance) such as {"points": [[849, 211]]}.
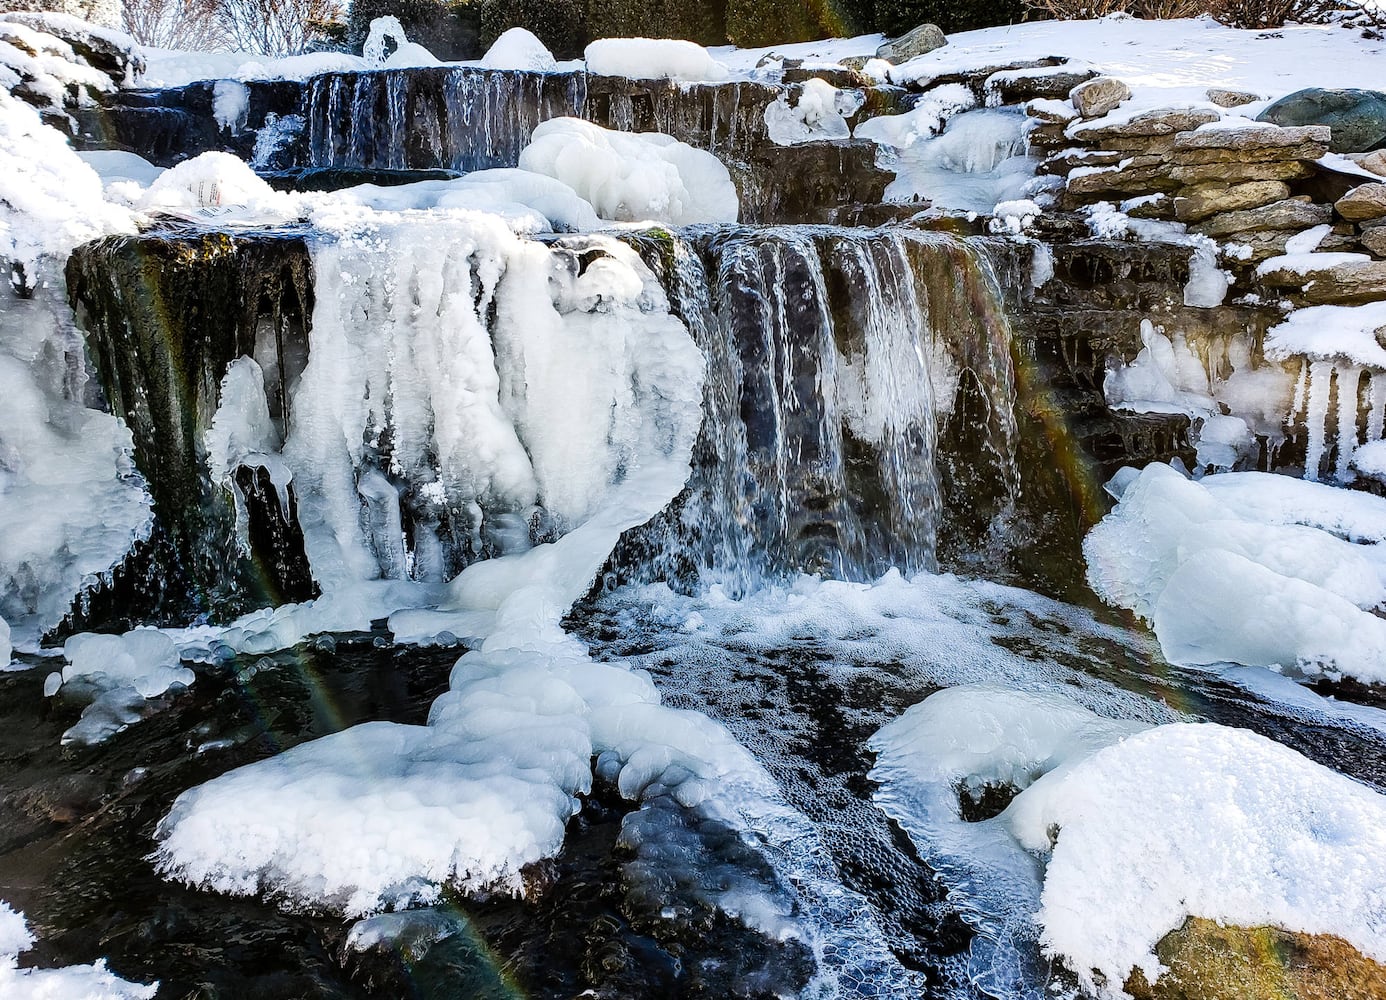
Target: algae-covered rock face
{"points": [[1357, 117], [1205, 961]]}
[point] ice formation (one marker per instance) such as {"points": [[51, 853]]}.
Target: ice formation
{"points": [[75, 982], [1167, 376], [924, 121], [385, 31], [221, 186], [977, 160], [116, 675], [1207, 821], [633, 177], [1221, 583], [654, 59], [820, 113]]}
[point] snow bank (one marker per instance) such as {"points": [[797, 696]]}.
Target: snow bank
{"points": [[633, 177], [519, 48], [75, 982], [176, 68], [1221, 585], [654, 59], [819, 113], [529, 202], [1207, 821], [1345, 334]]}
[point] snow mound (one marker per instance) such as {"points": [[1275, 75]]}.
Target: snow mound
{"points": [[924, 121], [219, 186], [75, 982], [1207, 821], [633, 177], [820, 113], [1344, 334], [654, 59], [386, 30], [1222, 585], [520, 49]]}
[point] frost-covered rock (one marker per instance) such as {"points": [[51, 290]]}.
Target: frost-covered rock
{"points": [[633, 177], [222, 186], [1098, 96], [923, 121], [915, 42]]}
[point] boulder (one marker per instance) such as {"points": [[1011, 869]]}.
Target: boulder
{"points": [[1155, 206], [1231, 98], [1357, 117], [1374, 240], [920, 40], [1375, 161], [1206, 961], [1096, 97], [1140, 175], [1363, 203], [1241, 145], [1290, 214], [1199, 203], [1345, 283]]}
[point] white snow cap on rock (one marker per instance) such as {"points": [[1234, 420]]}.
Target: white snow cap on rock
{"points": [[633, 177], [75, 982], [654, 59], [406, 53], [519, 48]]}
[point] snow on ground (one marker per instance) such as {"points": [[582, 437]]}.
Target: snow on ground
{"points": [[654, 59], [75, 982], [1142, 827], [1171, 62], [1222, 582]]}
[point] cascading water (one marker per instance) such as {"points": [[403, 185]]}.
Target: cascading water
{"points": [[834, 355]]}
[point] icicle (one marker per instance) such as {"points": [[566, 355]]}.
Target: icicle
{"points": [[1376, 417], [1316, 416], [1301, 387], [1348, 381]]}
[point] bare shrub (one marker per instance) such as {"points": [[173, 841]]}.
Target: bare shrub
{"points": [[174, 24], [1277, 13], [275, 27]]}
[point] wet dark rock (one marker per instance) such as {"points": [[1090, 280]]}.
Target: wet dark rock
{"points": [[1357, 117], [203, 299]]}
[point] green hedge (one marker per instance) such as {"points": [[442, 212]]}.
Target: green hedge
{"points": [[705, 23], [559, 24], [895, 17], [447, 28]]}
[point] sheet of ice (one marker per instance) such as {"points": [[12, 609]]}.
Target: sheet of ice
{"points": [[654, 59], [1349, 514], [961, 743], [74, 982], [1143, 834], [819, 113], [1221, 585], [977, 161], [71, 502], [633, 177], [519, 48]]}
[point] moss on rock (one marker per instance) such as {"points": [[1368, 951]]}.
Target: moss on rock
{"points": [[1205, 961]]}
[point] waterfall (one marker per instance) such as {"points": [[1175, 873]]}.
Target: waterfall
{"points": [[835, 357]]}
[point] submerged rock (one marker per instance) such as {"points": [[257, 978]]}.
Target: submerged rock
{"points": [[1205, 961], [1357, 117]]}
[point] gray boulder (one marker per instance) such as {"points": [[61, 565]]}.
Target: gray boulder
{"points": [[916, 42], [1357, 117]]}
